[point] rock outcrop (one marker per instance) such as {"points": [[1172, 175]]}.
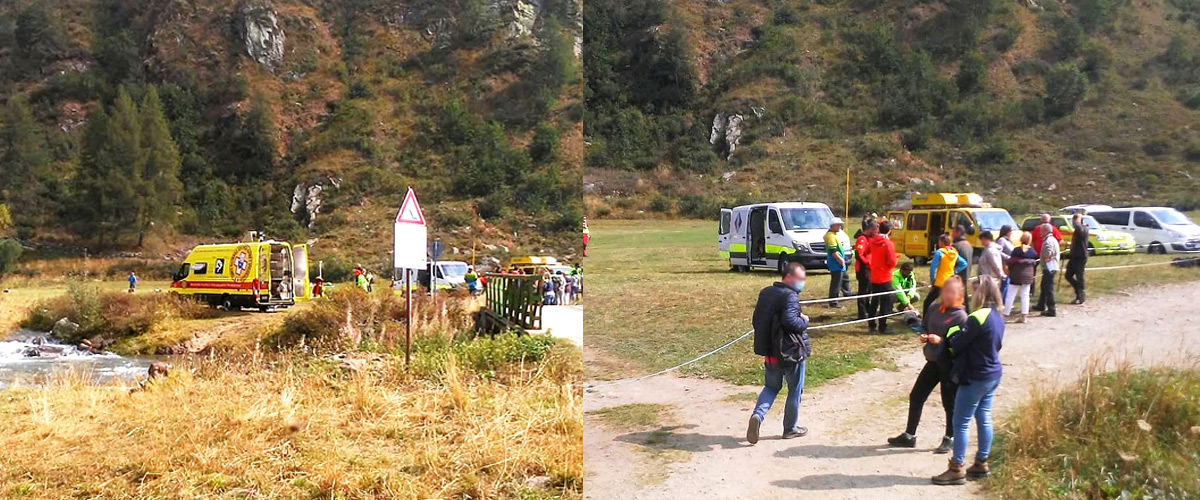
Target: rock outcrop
{"points": [[726, 133], [306, 201], [261, 36]]}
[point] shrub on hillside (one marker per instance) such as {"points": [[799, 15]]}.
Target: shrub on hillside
{"points": [[10, 251], [1191, 152], [1156, 146], [1066, 86]]}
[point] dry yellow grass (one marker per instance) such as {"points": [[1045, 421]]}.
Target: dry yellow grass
{"points": [[287, 427]]}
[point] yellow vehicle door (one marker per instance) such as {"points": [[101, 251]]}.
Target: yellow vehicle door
{"points": [[918, 240], [300, 286]]}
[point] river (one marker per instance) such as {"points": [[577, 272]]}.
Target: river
{"points": [[27, 358]]}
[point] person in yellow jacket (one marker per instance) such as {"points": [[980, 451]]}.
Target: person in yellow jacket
{"points": [[946, 262]]}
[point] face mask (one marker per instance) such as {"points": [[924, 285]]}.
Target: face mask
{"points": [[799, 286]]}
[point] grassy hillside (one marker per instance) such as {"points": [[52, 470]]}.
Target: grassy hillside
{"points": [[1036, 104], [304, 119]]}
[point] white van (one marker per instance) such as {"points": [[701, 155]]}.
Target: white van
{"points": [[768, 235], [1156, 229], [447, 275]]}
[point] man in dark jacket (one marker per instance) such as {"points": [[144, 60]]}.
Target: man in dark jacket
{"points": [[966, 251], [781, 338], [1078, 258]]}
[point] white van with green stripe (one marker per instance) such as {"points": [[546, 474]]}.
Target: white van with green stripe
{"points": [[768, 235]]}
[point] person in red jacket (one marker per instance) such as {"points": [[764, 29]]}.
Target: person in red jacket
{"points": [[1039, 238], [881, 259], [862, 268]]}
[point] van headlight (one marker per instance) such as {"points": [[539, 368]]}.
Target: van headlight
{"points": [[800, 247]]}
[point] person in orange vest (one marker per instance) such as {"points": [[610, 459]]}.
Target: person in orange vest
{"points": [[881, 258], [946, 262]]}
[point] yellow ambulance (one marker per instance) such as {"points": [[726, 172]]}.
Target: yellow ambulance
{"points": [[258, 274], [533, 264], [915, 231]]}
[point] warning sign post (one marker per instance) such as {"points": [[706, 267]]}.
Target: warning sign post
{"points": [[408, 254]]}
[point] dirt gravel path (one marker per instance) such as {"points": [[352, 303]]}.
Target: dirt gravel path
{"points": [[699, 449]]}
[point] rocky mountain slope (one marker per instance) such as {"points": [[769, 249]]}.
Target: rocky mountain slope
{"points": [[1034, 103], [304, 118]]}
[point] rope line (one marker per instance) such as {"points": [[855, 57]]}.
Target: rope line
{"points": [[723, 347], [832, 325]]}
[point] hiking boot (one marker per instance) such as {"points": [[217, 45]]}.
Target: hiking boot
{"points": [[835, 305], [954, 475], [978, 470], [885, 330], [1076, 302], [752, 429], [1023, 319], [871, 328], [1038, 308], [946, 447], [1049, 314], [798, 432], [903, 441]]}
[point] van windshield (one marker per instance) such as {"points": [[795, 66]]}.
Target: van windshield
{"points": [[993, 220], [455, 269], [1171, 217], [806, 218]]}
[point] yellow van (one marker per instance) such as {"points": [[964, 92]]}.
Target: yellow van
{"points": [[915, 231], [532, 264], [258, 274]]}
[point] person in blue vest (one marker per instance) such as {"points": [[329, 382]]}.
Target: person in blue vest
{"points": [[976, 368], [133, 279], [781, 338]]}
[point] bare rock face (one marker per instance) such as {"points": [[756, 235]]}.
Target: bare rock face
{"points": [[726, 132], [306, 199], [261, 36], [518, 16]]}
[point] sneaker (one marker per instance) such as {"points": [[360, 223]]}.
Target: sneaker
{"points": [[1076, 302], [795, 433], [752, 430], [954, 475], [885, 330], [903, 441], [978, 470], [946, 447], [1023, 319]]}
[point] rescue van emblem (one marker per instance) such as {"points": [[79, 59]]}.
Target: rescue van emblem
{"points": [[241, 263]]}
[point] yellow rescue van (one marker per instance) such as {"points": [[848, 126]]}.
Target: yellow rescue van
{"points": [[916, 230], [257, 274], [532, 264]]}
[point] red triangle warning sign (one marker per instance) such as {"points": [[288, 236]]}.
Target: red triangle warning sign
{"points": [[410, 210]]}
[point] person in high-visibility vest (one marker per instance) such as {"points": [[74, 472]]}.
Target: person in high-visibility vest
{"points": [[975, 349], [905, 283]]}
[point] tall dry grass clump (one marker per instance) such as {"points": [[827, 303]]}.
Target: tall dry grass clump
{"points": [[1125, 433], [349, 318], [111, 315], [300, 427]]}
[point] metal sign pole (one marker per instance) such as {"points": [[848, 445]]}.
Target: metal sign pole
{"points": [[408, 327]]}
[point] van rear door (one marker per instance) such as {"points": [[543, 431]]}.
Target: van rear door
{"points": [[723, 232], [300, 287]]}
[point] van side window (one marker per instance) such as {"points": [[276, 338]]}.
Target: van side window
{"points": [[1112, 218], [773, 222], [200, 268], [724, 227], [918, 222], [1143, 219]]}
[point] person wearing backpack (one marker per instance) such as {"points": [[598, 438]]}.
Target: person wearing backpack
{"points": [[781, 338]]}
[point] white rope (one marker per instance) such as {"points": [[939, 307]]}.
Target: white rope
{"points": [[855, 297], [1164, 263], [723, 347]]}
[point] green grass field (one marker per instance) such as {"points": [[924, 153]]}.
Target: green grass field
{"points": [[659, 295]]}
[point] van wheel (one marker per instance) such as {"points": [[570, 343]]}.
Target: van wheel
{"points": [[782, 262], [226, 303], [920, 261], [1156, 247]]}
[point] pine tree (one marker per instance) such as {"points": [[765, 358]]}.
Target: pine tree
{"points": [[159, 180], [105, 203], [26, 164]]}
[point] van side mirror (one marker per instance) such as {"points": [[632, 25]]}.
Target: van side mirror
{"points": [[971, 229]]}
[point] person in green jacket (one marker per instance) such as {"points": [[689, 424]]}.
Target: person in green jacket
{"points": [[905, 284]]}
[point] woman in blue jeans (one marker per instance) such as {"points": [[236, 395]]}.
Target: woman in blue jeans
{"points": [[975, 349]]}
